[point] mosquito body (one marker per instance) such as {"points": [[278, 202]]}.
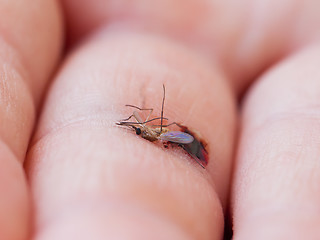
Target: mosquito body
{"points": [[184, 138], [154, 132]]}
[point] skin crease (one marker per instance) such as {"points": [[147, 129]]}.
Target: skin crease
{"points": [[90, 178]]}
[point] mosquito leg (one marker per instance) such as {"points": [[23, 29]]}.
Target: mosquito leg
{"points": [[153, 119], [123, 120], [173, 123], [142, 109], [167, 125], [151, 110], [133, 106], [136, 116]]}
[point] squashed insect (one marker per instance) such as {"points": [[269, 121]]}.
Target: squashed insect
{"points": [[185, 138]]}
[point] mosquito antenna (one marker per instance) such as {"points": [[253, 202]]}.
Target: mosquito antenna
{"points": [[164, 95]]}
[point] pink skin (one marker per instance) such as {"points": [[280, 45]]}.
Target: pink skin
{"points": [[91, 179], [28, 55]]}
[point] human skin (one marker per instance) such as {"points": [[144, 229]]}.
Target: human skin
{"points": [[244, 75]]}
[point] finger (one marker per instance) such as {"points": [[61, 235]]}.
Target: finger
{"points": [[27, 56], [31, 35], [81, 156], [276, 191], [245, 37]]}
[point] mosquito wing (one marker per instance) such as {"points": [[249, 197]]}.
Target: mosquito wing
{"points": [[177, 137]]}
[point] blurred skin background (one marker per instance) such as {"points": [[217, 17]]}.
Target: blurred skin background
{"points": [[244, 74]]}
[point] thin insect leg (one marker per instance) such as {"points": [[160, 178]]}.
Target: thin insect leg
{"points": [[136, 116], [123, 120], [142, 109], [133, 127], [167, 125], [157, 118], [173, 123], [151, 109], [128, 123]]}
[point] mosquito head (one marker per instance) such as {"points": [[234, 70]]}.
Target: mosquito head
{"points": [[138, 131]]}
